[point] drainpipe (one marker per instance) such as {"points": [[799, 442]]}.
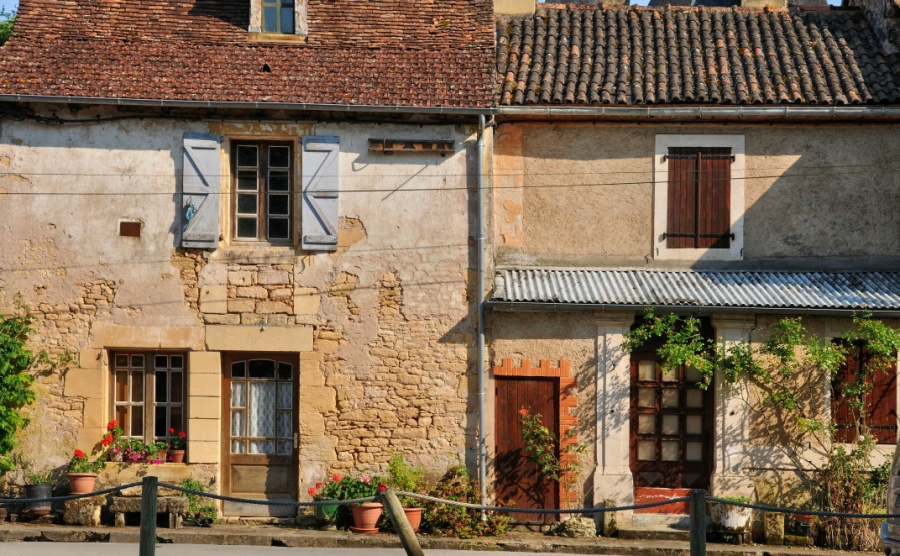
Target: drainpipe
{"points": [[479, 247]]}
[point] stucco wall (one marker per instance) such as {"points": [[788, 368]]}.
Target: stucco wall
{"points": [[382, 324], [582, 194]]}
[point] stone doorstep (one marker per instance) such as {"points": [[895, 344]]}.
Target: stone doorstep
{"points": [[175, 506]]}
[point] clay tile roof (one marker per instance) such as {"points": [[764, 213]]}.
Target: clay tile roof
{"points": [[389, 52], [636, 56]]}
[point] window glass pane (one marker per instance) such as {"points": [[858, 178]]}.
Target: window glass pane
{"points": [[284, 424], [670, 450], [246, 227], [278, 181], [646, 450], [287, 20], [247, 180], [693, 451], [246, 155], [176, 418], [279, 157], [261, 416], [670, 424], [237, 423], [237, 446], [693, 424], [160, 361], [177, 387], [237, 369], [160, 423], [694, 398], [646, 424], [121, 360], [262, 368], [670, 397], [270, 20], [137, 421], [284, 447], [285, 371], [237, 394], [670, 375], [284, 395], [278, 228], [122, 387], [122, 418], [162, 387], [262, 446], [176, 361], [647, 370], [692, 375], [279, 205], [137, 387], [246, 203], [646, 397], [137, 361]]}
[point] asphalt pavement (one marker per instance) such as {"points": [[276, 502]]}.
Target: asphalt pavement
{"points": [[122, 549]]}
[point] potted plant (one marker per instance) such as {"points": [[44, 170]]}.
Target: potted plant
{"points": [[325, 492], [156, 452], [403, 477], [82, 472], [366, 514], [112, 441], [38, 484], [177, 446], [133, 450], [729, 517]]}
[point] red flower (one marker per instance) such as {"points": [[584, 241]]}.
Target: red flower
{"points": [[171, 431], [381, 488], [312, 491], [336, 478], [107, 439], [523, 412], [182, 434], [111, 425], [79, 454], [318, 485]]}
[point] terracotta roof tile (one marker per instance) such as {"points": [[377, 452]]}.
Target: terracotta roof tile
{"points": [[615, 55], [389, 52]]}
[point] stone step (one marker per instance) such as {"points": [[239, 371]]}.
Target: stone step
{"points": [[654, 534], [676, 521]]}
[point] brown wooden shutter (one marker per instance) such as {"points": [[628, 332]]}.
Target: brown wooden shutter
{"points": [[699, 198], [879, 403], [842, 416]]}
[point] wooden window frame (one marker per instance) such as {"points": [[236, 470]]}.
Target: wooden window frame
{"points": [[299, 24], [662, 244], [148, 405], [263, 191], [884, 431]]}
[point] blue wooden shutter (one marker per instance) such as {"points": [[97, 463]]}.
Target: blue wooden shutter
{"points": [[200, 191], [321, 177]]}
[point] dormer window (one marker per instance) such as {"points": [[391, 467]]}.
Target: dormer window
{"points": [[272, 18]]}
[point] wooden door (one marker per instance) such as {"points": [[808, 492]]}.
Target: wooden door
{"points": [[671, 426], [259, 432], [519, 482]]}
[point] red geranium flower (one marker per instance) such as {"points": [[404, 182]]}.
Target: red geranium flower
{"points": [[318, 485], [312, 491], [336, 478], [171, 431], [182, 434], [79, 454], [111, 425], [107, 439], [523, 412], [381, 488]]}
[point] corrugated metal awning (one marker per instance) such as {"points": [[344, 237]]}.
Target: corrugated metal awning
{"points": [[855, 291]]}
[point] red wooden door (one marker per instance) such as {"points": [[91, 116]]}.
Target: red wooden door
{"points": [[519, 481], [671, 426]]}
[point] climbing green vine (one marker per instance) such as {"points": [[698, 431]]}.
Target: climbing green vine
{"points": [[15, 380]]}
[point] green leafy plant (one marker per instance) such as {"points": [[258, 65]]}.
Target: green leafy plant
{"points": [[177, 441], [346, 488], [7, 22], [556, 461], [16, 359], [80, 463], [197, 508], [32, 475], [404, 477], [456, 521]]}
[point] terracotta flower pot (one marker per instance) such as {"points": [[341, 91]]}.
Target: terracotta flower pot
{"points": [[176, 456], [365, 516], [81, 483], [414, 516], [114, 456]]}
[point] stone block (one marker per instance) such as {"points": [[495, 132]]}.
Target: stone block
{"points": [[214, 299], [187, 337], [306, 301], [273, 277], [280, 294], [83, 511], [204, 385], [606, 521], [204, 429], [94, 414], [272, 307], [175, 506], [577, 527], [311, 373], [85, 383], [202, 407], [90, 359], [222, 319], [240, 278], [241, 305], [251, 338], [321, 399], [205, 362], [773, 528], [203, 451], [253, 292]]}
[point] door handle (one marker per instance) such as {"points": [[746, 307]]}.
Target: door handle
{"points": [[296, 441]]}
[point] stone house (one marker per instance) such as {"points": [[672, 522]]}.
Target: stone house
{"points": [[735, 164], [247, 220]]}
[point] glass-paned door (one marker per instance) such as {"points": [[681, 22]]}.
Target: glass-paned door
{"points": [[260, 431], [671, 425]]}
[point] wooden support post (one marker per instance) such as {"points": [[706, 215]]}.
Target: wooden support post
{"points": [[698, 522], [401, 524], [149, 488]]}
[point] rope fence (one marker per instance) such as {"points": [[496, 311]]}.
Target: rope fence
{"points": [[697, 499]]}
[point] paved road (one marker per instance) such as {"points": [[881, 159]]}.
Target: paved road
{"points": [[102, 549]]}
